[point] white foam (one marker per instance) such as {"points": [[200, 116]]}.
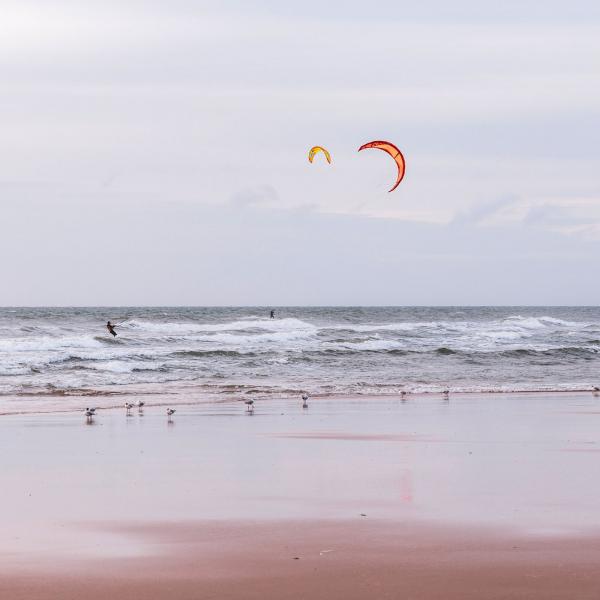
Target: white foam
{"points": [[116, 366], [541, 322], [47, 343], [274, 325]]}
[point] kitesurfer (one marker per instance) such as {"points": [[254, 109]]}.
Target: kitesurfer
{"points": [[111, 328], [272, 314]]}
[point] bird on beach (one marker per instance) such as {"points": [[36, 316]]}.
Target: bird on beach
{"points": [[89, 414], [446, 394], [596, 390], [170, 413], [128, 407], [249, 405], [140, 405], [304, 400], [91, 409]]}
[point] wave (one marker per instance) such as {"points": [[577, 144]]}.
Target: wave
{"points": [[543, 321], [259, 330], [11, 370], [328, 349], [109, 341], [390, 347], [444, 350], [51, 390], [512, 327], [401, 326], [115, 366], [47, 343], [211, 353], [272, 325], [586, 353], [367, 346], [243, 341]]}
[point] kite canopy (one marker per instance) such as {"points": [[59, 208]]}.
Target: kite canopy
{"points": [[315, 149], [394, 153]]}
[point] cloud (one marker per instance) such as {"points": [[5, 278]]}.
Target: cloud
{"points": [[218, 254]]}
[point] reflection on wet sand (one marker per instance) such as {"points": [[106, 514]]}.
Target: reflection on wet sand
{"points": [[368, 477]]}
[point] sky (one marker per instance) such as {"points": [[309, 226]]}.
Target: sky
{"points": [[155, 153]]}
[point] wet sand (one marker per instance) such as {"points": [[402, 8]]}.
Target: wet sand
{"points": [[335, 560], [475, 497]]}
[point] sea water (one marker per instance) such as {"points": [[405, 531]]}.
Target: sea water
{"points": [[241, 352]]}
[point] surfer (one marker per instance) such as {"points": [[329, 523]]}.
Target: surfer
{"points": [[111, 328], [272, 314]]}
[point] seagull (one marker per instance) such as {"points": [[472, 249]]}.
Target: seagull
{"points": [[92, 410], [446, 394], [249, 405], [596, 390], [304, 400], [128, 407], [170, 413], [89, 414], [140, 405]]}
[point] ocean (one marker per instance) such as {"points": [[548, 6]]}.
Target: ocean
{"points": [[241, 352]]}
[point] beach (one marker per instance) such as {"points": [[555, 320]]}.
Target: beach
{"points": [[474, 496], [298, 300]]}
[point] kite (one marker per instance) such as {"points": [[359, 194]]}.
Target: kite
{"points": [[394, 153], [316, 149]]}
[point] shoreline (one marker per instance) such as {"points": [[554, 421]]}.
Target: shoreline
{"points": [[80, 401]]}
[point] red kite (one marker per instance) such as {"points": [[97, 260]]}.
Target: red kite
{"points": [[394, 153]]}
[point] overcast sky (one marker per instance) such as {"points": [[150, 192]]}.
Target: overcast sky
{"points": [[156, 152]]}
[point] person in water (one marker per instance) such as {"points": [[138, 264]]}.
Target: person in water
{"points": [[111, 328], [272, 314]]}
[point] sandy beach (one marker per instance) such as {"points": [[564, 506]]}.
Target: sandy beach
{"points": [[478, 496]]}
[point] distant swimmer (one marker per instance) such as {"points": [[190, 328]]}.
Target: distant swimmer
{"points": [[111, 328], [272, 314]]}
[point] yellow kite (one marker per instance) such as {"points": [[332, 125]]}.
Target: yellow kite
{"points": [[316, 149]]}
